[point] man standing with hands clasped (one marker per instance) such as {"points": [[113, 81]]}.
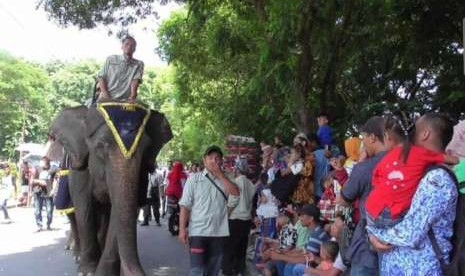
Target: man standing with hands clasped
{"points": [[204, 214]]}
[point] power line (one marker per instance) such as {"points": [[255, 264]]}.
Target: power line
{"points": [[12, 16]]}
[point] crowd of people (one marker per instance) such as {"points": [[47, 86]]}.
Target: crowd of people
{"points": [[384, 205], [317, 210]]}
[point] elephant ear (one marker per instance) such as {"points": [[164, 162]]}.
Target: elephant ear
{"points": [[68, 129], [159, 131]]}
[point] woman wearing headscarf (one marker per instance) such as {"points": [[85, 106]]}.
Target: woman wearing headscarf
{"points": [[353, 148], [176, 179]]}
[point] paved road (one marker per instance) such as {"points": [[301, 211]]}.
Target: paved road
{"points": [[23, 252]]}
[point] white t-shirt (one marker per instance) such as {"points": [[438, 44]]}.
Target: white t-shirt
{"points": [[339, 264], [297, 167]]}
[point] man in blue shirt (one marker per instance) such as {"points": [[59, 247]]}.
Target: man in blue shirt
{"points": [[363, 260]]}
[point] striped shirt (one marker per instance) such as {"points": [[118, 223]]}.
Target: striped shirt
{"points": [[315, 239]]}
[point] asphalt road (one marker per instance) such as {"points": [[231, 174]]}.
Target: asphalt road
{"points": [[24, 252]]}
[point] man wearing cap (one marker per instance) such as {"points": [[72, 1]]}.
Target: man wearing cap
{"points": [[297, 259], [364, 261], [240, 220], [204, 214]]}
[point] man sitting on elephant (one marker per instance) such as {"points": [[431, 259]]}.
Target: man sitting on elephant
{"points": [[121, 74], [204, 208]]}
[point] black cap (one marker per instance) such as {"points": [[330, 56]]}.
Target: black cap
{"points": [[213, 148], [310, 210], [375, 126]]}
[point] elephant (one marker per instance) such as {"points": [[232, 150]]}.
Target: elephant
{"points": [[107, 187]]}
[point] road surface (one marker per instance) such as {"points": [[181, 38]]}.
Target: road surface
{"points": [[24, 252]]}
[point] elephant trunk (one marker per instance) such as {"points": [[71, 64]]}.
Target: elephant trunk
{"points": [[124, 187]]}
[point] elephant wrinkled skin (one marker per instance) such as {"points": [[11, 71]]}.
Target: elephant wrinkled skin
{"points": [[107, 188]]}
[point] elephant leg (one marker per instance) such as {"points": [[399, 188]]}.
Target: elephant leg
{"points": [[80, 191], [109, 264], [74, 242], [103, 221]]}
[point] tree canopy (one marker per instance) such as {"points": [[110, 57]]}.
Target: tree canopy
{"points": [[261, 68]]}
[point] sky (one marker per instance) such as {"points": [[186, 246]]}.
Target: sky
{"points": [[27, 33]]}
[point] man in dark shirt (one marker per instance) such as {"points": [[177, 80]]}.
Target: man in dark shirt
{"points": [[363, 260]]}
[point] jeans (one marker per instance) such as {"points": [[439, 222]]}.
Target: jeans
{"points": [[5, 209], [236, 247], [206, 254], [299, 270], [39, 202], [361, 270], [384, 220]]}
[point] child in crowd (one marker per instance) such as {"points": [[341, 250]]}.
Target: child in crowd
{"points": [[327, 202], [267, 212], [396, 177], [287, 236], [339, 173], [325, 132], [328, 253]]}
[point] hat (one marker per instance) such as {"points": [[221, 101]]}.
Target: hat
{"points": [[375, 126], [309, 210], [213, 148]]}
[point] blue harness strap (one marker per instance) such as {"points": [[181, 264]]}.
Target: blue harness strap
{"points": [[127, 123]]}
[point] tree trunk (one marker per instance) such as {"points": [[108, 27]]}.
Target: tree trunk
{"points": [[304, 69]]}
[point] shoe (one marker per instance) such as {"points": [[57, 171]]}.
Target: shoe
{"points": [[144, 224], [49, 228], [39, 230], [159, 224]]}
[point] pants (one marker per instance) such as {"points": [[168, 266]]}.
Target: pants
{"points": [[5, 209], [39, 202], [153, 204], [236, 247], [385, 220], [361, 270], [163, 199], [206, 254]]}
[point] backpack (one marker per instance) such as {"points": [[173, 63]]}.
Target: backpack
{"points": [[456, 267]]}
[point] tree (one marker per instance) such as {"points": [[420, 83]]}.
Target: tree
{"points": [[259, 67], [24, 110]]}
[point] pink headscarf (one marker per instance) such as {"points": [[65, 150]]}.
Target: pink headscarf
{"points": [[456, 146]]}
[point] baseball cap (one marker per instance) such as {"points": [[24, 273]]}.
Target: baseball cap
{"points": [[309, 210], [213, 148]]}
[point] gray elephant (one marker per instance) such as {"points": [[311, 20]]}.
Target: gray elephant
{"points": [[107, 185]]}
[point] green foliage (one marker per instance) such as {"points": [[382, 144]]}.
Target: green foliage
{"points": [[267, 67], [24, 108], [72, 84]]}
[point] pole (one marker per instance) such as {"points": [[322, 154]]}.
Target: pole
{"points": [[463, 45]]}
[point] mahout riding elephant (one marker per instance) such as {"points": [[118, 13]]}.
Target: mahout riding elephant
{"points": [[107, 185]]}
